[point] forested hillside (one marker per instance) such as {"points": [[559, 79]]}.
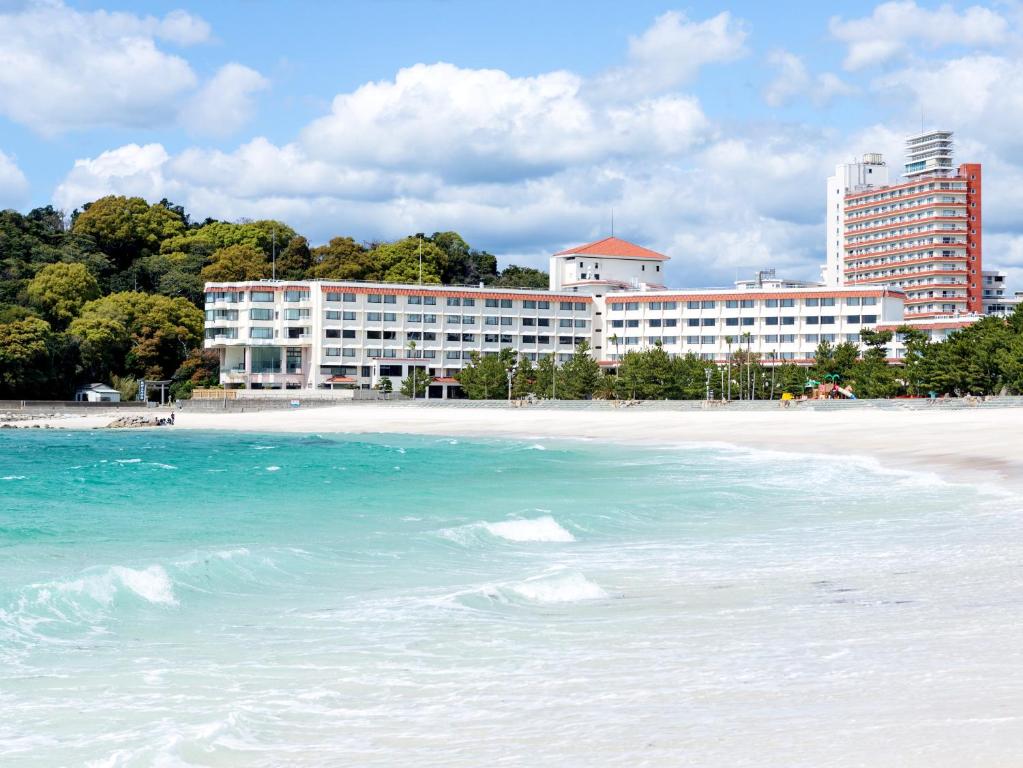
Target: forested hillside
{"points": [[116, 293]]}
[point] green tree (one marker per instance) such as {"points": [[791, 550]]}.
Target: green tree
{"points": [[385, 385], [522, 277], [295, 260], [340, 259], [581, 374], [486, 376], [136, 333], [524, 380], [235, 263], [127, 228], [60, 291], [24, 357], [416, 383], [549, 383], [872, 375], [200, 369]]}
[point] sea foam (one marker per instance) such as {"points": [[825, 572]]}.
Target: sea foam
{"points": [[538, 529], [152, 584]]}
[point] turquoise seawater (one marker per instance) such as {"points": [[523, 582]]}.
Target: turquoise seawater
{"points": [[198, 599]]}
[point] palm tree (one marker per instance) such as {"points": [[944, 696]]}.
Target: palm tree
{"points": [[412, 354], [728, 341]]}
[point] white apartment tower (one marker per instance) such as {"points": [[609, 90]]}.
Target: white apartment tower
{"points": [[929, 154], [849, 177]]}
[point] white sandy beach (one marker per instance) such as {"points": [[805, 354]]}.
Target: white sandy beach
{"points": [[967, 445]]}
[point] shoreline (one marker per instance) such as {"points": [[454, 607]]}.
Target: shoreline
{"points": [[979, 447]]}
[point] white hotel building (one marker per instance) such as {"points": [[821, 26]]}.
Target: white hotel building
{"points": [[326, 334]]}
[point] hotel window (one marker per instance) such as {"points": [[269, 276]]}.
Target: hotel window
{"points": [[296, 295], [373, 335], [630, 340], [414, 318], [671, 322], [749, 304], [787, 338], [469, 320], [631, 305], [468, 302], [262, 296], [261, 314], [579, 306], [693, 322], [632, 323], [331, 296], [374, 298], [565, 305], [580, 323], [261, 333], [528, 304], [296, 314], [429, 318], [852, 318], [430, 300], [617, 323], [507, 321], [827, 319], [565, 323], [811, 320], [869, 318], [332, 351], [529, 339], [670, 304], [332, 333], [853, 337], [374, 316], [828, 302], [788, 321], [829, 337], [347, 333], [348, 315], [869, 301], [692, 339], [414, 300], [732, 304], [670, 339], [811, 338], [654, 323], [543, 305], [692, 305], [390, 298], [348, 297], [789, 302], [543, 322], [811, 302], [707, 305], [452, 354], [453, 319], [747, 321], [532, 321], [708, 339], [490, 302], [490, 338], [707, 321], [852, 301], [770, 339], [506, 338], [491, 320], [543, 339], [770, 321], [654, 305]]}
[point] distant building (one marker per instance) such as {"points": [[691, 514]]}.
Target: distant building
{"points": [[997, 300], [608, 264], [97, 393], [922, 235]]}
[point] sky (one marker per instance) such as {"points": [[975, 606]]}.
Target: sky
{"points": [[707, 128]]}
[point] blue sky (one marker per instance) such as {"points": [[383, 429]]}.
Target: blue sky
{"points": [[709, 128]]}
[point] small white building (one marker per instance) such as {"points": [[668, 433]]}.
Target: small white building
{"points": [[611, 264], [97, 393]]}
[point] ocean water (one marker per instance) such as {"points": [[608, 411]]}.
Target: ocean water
{"points": [[193, 599]]}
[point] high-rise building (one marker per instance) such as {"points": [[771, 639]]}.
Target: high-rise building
{"points": [[921, 235]]}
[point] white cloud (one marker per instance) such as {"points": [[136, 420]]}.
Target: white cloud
{"points": [[892, 26], [13, 184], [62, 69], [672, 51], [793, 81], [225, 103], [129, 170], [483, 124]]}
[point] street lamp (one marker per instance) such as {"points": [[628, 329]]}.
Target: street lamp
{"points": [[708, 374], [511, 373]]}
